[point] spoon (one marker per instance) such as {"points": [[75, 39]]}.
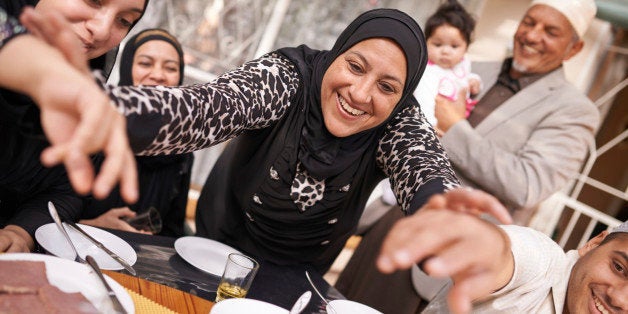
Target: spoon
{"points": [[319, 293], [301, 303]]}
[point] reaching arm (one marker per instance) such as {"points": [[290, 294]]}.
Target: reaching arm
{"points": [[174, 120], [474, 253], [76, 116], [411, 156]]}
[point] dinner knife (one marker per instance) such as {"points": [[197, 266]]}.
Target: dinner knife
{"points": [[113, 255], [117, 306]]}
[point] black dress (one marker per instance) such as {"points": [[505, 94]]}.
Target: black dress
{"points": [[164, 182]]}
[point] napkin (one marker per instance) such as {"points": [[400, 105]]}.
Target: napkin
{"points": [[144, 305]]}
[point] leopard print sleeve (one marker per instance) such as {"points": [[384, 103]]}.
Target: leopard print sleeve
{"points": [[9, 28], [412, 157], [188, 118]]}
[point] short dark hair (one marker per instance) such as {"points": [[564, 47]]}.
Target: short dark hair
{"points": [[613, 235], [451, 13]]}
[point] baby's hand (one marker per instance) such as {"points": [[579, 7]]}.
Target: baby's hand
{"points": [[475, 86]]}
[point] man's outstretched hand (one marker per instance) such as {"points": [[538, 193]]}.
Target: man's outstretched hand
{"points": [[449, 240]]}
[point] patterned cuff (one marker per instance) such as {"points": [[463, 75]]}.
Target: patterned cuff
{"points": [[100, 78], [9, 28]]}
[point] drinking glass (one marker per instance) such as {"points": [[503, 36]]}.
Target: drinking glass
{"points": [[149, 220], [237, 277]]}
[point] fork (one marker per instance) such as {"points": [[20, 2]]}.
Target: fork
{"points": [[55, 217], [333, 310]]}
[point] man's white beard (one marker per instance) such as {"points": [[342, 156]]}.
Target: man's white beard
{"points": [[518, 67]]}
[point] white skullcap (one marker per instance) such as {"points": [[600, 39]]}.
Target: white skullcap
{"points": [[621, 228], [580, 13]]}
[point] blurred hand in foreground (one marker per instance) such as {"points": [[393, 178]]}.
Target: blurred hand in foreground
{"points": [[77, 116]]}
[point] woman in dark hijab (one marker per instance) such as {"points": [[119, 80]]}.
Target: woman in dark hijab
{"points": [[314, 132], [26, 185], [151, 57]]}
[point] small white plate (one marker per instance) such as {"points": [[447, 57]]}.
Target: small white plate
{"points": [[204, 254], [351, 307], [71, 277], [51, 239], [246, 306]]}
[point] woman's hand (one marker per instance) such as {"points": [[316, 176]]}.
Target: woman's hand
{"points": [[14, 239], [113, 219], [55, 30], [79, 120], [76, 116]]}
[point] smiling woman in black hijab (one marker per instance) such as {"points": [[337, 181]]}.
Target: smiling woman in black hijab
{"points": [[315, 131], [151, 57]]}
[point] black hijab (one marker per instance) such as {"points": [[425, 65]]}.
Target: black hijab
{"points": [[163, 179], [134, 43], [321, 153]]}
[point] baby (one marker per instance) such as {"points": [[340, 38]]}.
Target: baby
{"points": [[448, 33]]}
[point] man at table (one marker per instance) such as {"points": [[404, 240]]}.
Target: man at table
{"points": [[510, 269]]}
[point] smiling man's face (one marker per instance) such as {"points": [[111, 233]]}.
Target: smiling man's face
{"points": [[544, 39], [599, 279]]}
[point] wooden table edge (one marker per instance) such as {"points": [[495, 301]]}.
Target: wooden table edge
{"points": [[171, 298]]}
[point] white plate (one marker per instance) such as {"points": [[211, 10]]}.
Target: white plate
{"points": [[204, 254], [51, 239], [246, 306], [70, 277], [351, 307]]}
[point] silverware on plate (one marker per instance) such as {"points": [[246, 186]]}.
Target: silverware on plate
{"points": [[113, 255], [319, 293], [55, 216], [117, 306], [301, 303]]}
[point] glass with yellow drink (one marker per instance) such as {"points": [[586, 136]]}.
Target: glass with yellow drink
{"points": [[237, 277]]}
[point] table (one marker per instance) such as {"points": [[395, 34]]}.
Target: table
{"points": [[171, 298], [157, 261]]}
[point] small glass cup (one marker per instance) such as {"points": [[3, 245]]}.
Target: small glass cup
{"points": [[237, 277], [149, 220]]}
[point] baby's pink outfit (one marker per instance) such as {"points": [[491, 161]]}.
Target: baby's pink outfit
{"points": [[447, 82]]}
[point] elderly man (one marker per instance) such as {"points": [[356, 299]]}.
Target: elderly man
{"points": [[527, 136], [510, 269], [530, 131]]}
